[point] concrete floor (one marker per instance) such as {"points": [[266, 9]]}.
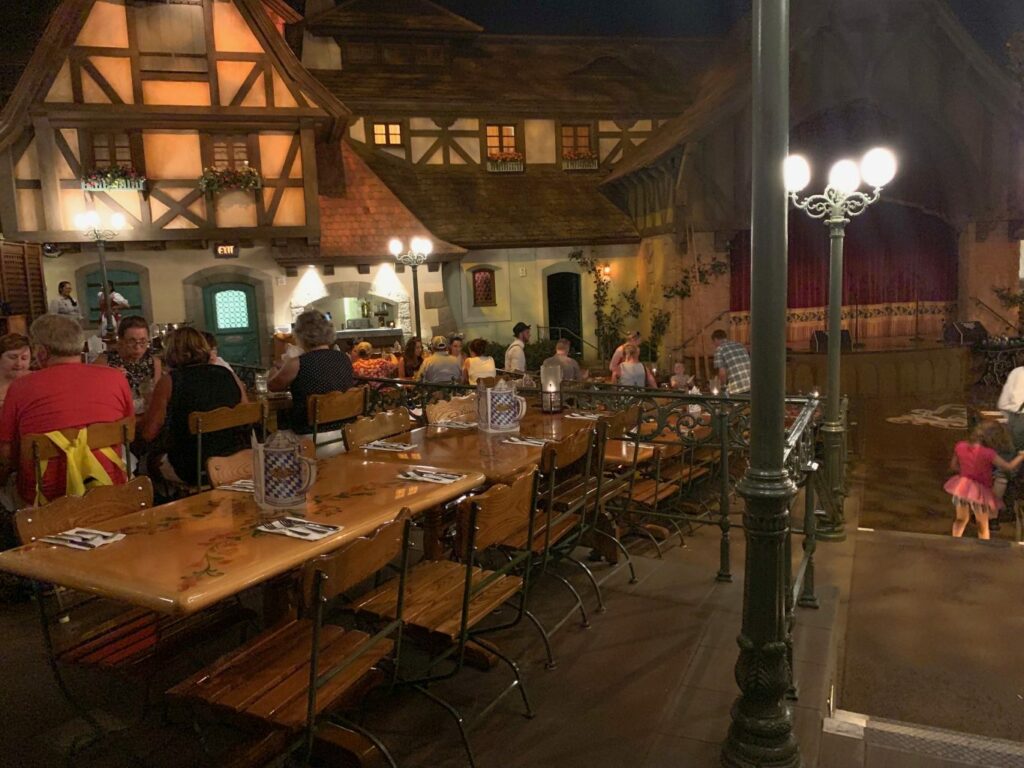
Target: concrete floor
{"points": [[650, 684]]}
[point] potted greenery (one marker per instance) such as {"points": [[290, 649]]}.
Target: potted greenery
{"points": [[579, 160], [217, 180], [116, 177], [510, 161]]}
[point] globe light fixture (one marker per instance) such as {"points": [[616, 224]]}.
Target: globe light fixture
{"points": [[840, 202], [419, 251], [796, 172], [878, 167], [844, 177]]}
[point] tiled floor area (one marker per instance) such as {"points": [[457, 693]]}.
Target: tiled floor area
{"points": [[649, 684]]}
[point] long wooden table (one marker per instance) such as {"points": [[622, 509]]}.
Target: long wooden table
{"points": [[181, 557]]}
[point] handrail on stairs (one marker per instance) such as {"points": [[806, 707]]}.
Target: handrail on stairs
{"points": [[992, 312], [686, 342], [565, 333]]}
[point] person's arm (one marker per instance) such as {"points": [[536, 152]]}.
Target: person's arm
{"points": [[651, 381], [1007, 466], [241, 386], [616, 361], [723, 376], [156, 413], [283, 377], [465, 371], [8, 437]]}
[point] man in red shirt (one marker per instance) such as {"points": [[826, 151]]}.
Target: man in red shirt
{"points": [[65, 394]]}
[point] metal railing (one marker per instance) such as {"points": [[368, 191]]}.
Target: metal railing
{"points": [[564, 333], [995, 314]]}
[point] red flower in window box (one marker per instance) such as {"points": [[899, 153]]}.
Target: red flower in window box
{"points": [[579, 154], [509, 156]]}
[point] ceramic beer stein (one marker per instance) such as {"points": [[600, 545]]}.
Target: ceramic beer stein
{"points": [[500, 409], [281, 474]]}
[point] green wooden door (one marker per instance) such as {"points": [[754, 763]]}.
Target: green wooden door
{"points": [[126, 282], [231, 317]]}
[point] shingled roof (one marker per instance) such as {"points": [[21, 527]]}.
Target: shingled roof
{"points": [[356, 227], [391, 16], [475, 209], [574, 77]]}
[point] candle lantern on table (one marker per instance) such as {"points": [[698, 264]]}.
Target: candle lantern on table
{"points": [[551, 387]]}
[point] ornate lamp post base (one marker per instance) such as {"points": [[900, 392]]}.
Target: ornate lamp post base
{"points": [[833, 527]]}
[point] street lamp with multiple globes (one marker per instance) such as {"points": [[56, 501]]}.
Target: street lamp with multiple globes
{"points": [[840, 202], [419, 251], [89, 224]]}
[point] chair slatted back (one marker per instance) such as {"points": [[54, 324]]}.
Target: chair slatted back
{"points": [[489, 381], [224, 470], [219, 419], [502, 511], [336, 406], [357, 561], [458, 408], [98, 505], [567, 451], [107, 434], [388, 424]]}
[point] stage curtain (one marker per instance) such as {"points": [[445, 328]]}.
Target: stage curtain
{"points": [[898, 263]]}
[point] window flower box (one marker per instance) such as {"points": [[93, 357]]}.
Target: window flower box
{"points": [[579, 164], [216, 180], [505, 162], [116, 178], [579, 160]]}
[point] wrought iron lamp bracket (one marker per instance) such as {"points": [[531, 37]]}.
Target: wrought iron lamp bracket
{"points": [[835, 207]]}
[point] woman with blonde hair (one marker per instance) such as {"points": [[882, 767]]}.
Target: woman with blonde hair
{"points": [[631, 372], [194, 384], [318, 370]]}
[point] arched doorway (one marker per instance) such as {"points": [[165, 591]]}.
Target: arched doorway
{"points": [[565, 306]]}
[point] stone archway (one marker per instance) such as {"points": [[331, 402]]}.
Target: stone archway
{"points": [[361, 289], [235, 273]]}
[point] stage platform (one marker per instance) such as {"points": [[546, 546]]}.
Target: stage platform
{"points": [[886, 367]]}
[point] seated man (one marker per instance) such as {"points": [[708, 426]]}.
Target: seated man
{"points": [[65, 394], [440, 367], [570, 368]]}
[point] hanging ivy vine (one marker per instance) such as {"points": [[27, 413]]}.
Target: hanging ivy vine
{"points": [[703, 272]]}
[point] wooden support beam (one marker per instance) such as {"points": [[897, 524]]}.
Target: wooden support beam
{"points": [[46, 148]]}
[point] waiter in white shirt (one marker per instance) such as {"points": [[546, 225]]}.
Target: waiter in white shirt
{"points": [[515, 355], [1011, 402], [65, 303], [117, 303]]}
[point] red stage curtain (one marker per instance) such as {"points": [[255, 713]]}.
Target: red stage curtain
{"points": [[892, 254]]}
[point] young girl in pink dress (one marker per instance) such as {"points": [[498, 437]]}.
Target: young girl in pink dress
{"points": [[971, 488]]}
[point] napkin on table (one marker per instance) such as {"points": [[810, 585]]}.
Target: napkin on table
{"points": [[297, 528], [82, 538]]}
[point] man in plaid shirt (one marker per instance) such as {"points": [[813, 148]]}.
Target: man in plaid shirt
{"points": [[732, 362]]}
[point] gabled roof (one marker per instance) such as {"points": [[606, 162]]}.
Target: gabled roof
{"points": [[66, 22], [391, 16], [357, 226], [571, 77], [470, 207]]}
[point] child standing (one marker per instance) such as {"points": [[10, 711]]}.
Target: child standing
{"points": [[971, 489]]}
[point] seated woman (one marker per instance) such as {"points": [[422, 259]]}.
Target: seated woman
{"points": [[478, 365], [133, 356], [367, 367], [410, 362], [633, 373], [317, 371], [194, 384], [15, 359]]}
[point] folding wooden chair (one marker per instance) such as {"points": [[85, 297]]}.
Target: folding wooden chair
{"points": [[39, 448], [220, 419], [329, 412], [225, 470], [449, 600], [388, 424], [297, 674], [84, 630], [457, 409]]}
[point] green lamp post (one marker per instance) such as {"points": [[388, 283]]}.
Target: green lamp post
{"points": [[840, 202]]}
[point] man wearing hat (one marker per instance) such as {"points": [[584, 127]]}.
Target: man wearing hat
{"points": [[440, 367], [515, 355]]}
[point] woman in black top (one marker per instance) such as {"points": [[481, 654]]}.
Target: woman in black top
{"points": [[317, 371], [193, 385]]}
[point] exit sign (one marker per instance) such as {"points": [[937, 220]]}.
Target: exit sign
{"points": [[225, 251]]}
